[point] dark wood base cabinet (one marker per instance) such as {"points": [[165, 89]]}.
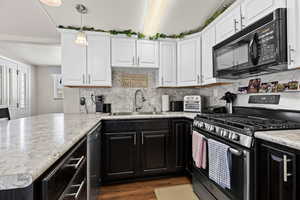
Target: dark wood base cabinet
{"points": [[277, 172], [134, 149], [76, 175]]}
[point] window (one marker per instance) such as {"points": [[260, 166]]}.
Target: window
{"points": [[22, 89], [13, 86], [2, 97], [14, 82]]}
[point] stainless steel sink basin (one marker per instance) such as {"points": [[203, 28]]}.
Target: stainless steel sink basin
{"points": [[136, 113]]}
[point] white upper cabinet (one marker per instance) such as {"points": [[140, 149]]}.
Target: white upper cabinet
{"points": [[147, 53], [73, 60], [98, 61], [86, 65], [208, 41], [128, 52], [228, 24], [167, 67], [253, 10], [293, 29], [123, 52], [189, 66]]}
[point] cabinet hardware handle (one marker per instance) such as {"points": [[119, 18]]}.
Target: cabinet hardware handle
{"points": [[132, 60], [198, 79], [138, 60], [290, 54], [134, 139], [80, 187], [142, 138], [235, 22], [83, 78], [242, 22], [162, 81], [89, 78], [285, 173], [77, 164]]}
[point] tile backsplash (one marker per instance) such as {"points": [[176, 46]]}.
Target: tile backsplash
{"points": [[122, 99]]}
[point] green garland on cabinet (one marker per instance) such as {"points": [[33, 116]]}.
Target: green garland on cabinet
{"points": [[157, 36]]}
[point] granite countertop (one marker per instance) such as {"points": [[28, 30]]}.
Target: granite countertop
{"points": [[29, 146], [289, 138]]}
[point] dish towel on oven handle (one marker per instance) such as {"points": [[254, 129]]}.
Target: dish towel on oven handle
{"points": [[219, 163], [199, 150]]}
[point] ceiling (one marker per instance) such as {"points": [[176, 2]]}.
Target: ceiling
{"points": [[33, 54], [30, 33]]}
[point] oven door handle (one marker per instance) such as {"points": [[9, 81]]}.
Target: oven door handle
{"points": [[236, 152]]}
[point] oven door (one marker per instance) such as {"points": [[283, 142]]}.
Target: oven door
{"points": [[240, 174]]}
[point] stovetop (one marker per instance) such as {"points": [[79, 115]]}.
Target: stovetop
{"points": [[250, 123], [241, 126]]}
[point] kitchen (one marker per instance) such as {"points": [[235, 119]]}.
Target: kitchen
{"points": [[150, 100]]}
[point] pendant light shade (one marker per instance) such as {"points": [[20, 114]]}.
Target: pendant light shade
{"points": [[81, 38], [53, 3]]}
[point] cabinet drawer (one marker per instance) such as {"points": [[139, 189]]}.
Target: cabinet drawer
{"points": [[77, 188], [115, 126], [57, 179]]}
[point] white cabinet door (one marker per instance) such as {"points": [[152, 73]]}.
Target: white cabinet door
{"points": [[73, 61], [147, 53], [98, 61], [208, 41], [123, 52], [228, 25], [188, 73], [167, 69], [253, 10], [293, 29]]}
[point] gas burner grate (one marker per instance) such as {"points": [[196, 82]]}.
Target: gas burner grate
{"points": [[251, 122]]}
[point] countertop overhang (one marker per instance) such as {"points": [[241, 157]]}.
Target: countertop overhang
{"points": [[29, 146], [288, 138]]}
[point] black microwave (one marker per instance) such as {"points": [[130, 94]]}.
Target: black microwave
{"points": [[261, 48]]}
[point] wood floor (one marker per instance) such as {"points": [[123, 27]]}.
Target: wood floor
{"points": [[139, 190]]}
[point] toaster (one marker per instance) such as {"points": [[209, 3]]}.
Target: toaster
{"points": [[193, 103]]}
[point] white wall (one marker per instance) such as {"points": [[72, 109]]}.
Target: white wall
{"points": [[287, 101], [44, 90]]}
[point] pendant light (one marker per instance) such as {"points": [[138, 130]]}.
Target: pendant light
{"points": [[81, 36], [53, 3]]}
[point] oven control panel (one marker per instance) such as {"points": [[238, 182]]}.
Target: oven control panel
{"points": [[224, 133]]}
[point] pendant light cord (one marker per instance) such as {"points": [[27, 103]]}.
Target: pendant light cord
{"points": [[81, 28]]}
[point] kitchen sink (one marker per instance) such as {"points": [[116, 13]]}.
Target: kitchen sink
{"points": [[136, 113]]}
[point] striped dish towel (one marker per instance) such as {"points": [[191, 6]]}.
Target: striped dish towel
{"points": [[219, 171]]}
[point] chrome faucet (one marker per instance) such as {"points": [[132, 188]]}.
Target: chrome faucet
{"points": [[136, 107]]}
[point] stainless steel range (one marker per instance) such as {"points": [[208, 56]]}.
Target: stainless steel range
{"points": [[237, 131]]}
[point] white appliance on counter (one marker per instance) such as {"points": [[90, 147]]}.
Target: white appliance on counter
{"points": [[193, 103], [165, 104]]}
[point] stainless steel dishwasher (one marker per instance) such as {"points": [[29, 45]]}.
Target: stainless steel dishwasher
{"points": [[94, 163]]}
